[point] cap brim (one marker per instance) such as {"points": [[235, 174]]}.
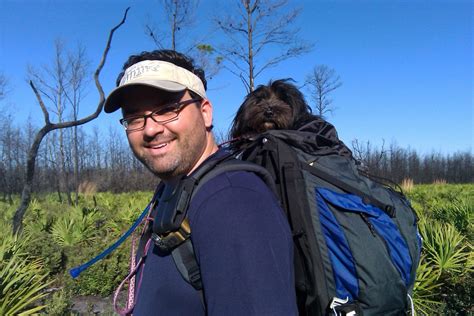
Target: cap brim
{"points": [[113, 101]]}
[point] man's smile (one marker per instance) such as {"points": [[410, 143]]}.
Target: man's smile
{"points": [[160, 147]]}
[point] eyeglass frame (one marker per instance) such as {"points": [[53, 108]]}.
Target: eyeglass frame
{"points": [[178, 107]]}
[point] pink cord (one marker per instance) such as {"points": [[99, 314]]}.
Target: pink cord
{"points": [[131, 284], [130, 278], [128, 309], [143, 266]]}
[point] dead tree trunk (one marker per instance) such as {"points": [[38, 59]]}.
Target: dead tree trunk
{"points": [[48, 127]]}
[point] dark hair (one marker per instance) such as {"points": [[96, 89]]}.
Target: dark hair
{"points": [[276, 93], [170, 56]]}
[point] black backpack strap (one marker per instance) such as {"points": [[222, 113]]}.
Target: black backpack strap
{"points": [[238, 165], [148, 227], [183, 253], [185, 261]]}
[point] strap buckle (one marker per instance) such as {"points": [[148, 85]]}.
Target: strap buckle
{"points": [[171, 240]]}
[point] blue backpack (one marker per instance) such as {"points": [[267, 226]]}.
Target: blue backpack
{"points": [[356, 240]]}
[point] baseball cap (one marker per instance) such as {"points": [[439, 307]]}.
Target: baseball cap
{"points": [[154, 73]]}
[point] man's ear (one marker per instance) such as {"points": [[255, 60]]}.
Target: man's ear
{"points": [[206, 112]]}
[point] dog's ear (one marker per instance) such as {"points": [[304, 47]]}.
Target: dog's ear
{"points": [[236, 130], [240, 124]]}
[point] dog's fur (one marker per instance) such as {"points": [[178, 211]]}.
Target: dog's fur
{"points": [[278, 105]]}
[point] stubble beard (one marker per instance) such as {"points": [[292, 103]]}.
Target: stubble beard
{"points": [[177, 163]]}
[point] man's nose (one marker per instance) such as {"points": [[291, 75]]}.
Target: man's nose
{"points": [[152, 128]]}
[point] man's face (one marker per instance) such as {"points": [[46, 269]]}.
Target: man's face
{"points": [[174, 148]]}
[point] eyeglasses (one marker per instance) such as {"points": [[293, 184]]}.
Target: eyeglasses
{"points": [[163, 115]]}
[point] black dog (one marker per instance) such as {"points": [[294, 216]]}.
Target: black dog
{"points": [[278, 105]]}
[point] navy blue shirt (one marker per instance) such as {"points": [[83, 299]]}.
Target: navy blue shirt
{"points": [[244, 248]]}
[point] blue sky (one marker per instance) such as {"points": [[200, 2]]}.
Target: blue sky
{"points": [[406, 66]]}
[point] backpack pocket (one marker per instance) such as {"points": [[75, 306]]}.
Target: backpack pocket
{"points": [[370, 259]]}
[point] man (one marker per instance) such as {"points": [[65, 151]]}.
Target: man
{"points": [[241, 238]]}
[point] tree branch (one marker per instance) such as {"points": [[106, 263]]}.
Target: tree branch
{"points": [[101, 65], [41, 103]]}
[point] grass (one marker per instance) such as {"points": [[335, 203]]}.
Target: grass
{"points": [[61, 236]]}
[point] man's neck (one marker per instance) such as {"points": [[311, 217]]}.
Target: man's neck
{"points": [[209, 150]]}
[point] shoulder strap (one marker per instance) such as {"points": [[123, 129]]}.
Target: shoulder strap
{"points": [[185, 261], [146, 234], [183, 255], [236, 165], [168, 229]]}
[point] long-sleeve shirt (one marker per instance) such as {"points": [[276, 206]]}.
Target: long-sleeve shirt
{"points": [[244, 248]]}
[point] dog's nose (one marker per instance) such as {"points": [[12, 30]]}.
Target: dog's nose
{"points": [[268, 112]]}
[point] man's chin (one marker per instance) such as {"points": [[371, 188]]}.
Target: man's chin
{"points": [[163, 173]]}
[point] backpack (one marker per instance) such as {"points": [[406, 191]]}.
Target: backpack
{"points": [[356, 240]]}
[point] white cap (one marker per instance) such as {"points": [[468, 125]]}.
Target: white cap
{"points": [[155, 73]]}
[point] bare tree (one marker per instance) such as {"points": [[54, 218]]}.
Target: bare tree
{"points": [[5, 125], [53, 84], [398, 166], [414, 165], [96, 148], [261, 27], [63, 84], [321, 82], [370, 158], [181, 18], [77, 80], [49, 126], [109, 160], [7, 161], [3, 86]]}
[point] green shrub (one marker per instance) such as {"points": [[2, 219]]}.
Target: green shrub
{"points": [[446, 218], [22, 279], [76, 226], [445, 247], [459, 213], [59, 303], [444, 278], [51, 253], [103, 277], [425, 289]]}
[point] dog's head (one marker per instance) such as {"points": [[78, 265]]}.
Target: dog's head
{"points": [[258, 114], [278, 105]]}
